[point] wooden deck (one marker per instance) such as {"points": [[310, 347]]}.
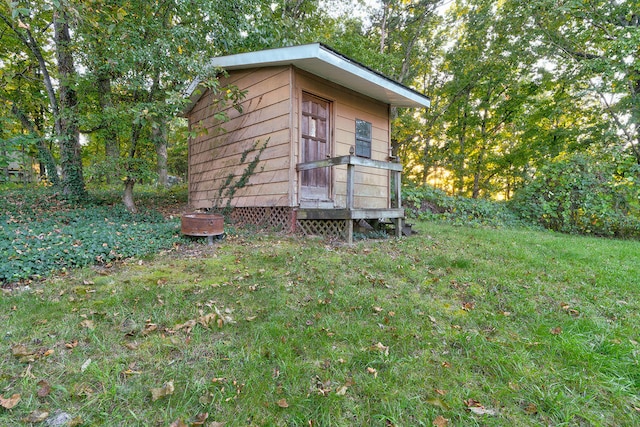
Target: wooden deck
{"points": [[349, 213], [391, 213]]}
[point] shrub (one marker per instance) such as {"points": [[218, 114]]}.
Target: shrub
{"points": [[428, 203], [580, 195]]}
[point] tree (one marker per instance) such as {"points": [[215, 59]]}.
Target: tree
{"points": [[139, 57], [31, 27], [598, 43]]}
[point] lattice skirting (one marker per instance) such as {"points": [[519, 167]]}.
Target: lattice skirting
{"points": [[277, 217], [281, 218], [322, 227]]}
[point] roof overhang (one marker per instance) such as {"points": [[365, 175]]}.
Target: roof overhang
{"points": [[323, 62]]}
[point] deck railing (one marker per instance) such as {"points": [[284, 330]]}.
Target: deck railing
{"points": [[352, 161]]}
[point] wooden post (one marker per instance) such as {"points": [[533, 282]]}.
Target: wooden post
{"points": [[351, 174], [349, 231], [398, 184], [350, 182]]}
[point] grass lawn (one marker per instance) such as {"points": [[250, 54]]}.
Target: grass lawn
{"points": [[455, 326]]}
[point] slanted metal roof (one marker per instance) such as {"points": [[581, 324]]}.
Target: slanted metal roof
{"points": [[323, 62]]}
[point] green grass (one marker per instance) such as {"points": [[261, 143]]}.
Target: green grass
{"points": [[539, 328]]}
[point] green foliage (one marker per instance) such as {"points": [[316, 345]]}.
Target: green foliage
{"points": [[428, 203], [580, 195], [235, 182], [47, 234]]}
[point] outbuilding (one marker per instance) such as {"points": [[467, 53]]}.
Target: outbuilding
{"points": [[309, 148]]}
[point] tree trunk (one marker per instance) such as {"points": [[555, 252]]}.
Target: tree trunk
{"points": [[478, 174], [159, 137], [127, 196], [72, 177], [383, 24], [44, 154], [111, 146]]}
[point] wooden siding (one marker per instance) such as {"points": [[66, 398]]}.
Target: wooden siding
{"points": [[227, 148], [372, 185]]}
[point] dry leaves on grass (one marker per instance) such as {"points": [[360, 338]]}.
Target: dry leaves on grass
{"points": [[36, 416], [88, 324], [9, 402], [167, 389], [283, 403], [205, 320], [45, 388], [381, 348], [25, 355], [440, 421], [477, 408]]}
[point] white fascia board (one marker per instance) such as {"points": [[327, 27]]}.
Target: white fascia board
{"points": [[322, 62]]}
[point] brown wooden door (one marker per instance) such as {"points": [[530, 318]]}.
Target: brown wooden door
{"points": [[315, 145]]}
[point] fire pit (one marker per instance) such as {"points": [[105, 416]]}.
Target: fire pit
{"points": [[202, 225]]}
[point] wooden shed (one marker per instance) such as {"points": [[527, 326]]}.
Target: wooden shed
{"points": [[309, 149]]}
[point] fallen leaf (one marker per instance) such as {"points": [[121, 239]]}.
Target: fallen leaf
{"points": [[440, 392], [200, 419], [86, 323], [531, 409], [132, 345], [36, 416], [436, 401], [471, 402], [377, 309], [433, 319], [381, 348], [480, 410], [75, 422], [283, 403], [373, 372], [440, 421], [72, 344], [178, 423], [341, 391], [148, 328], [9, 402], [468, 306], [167, 389], [45, 388], [556, 331], [21, 350]]}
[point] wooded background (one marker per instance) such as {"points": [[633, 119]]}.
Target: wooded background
{"points": [[522, 92]]}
